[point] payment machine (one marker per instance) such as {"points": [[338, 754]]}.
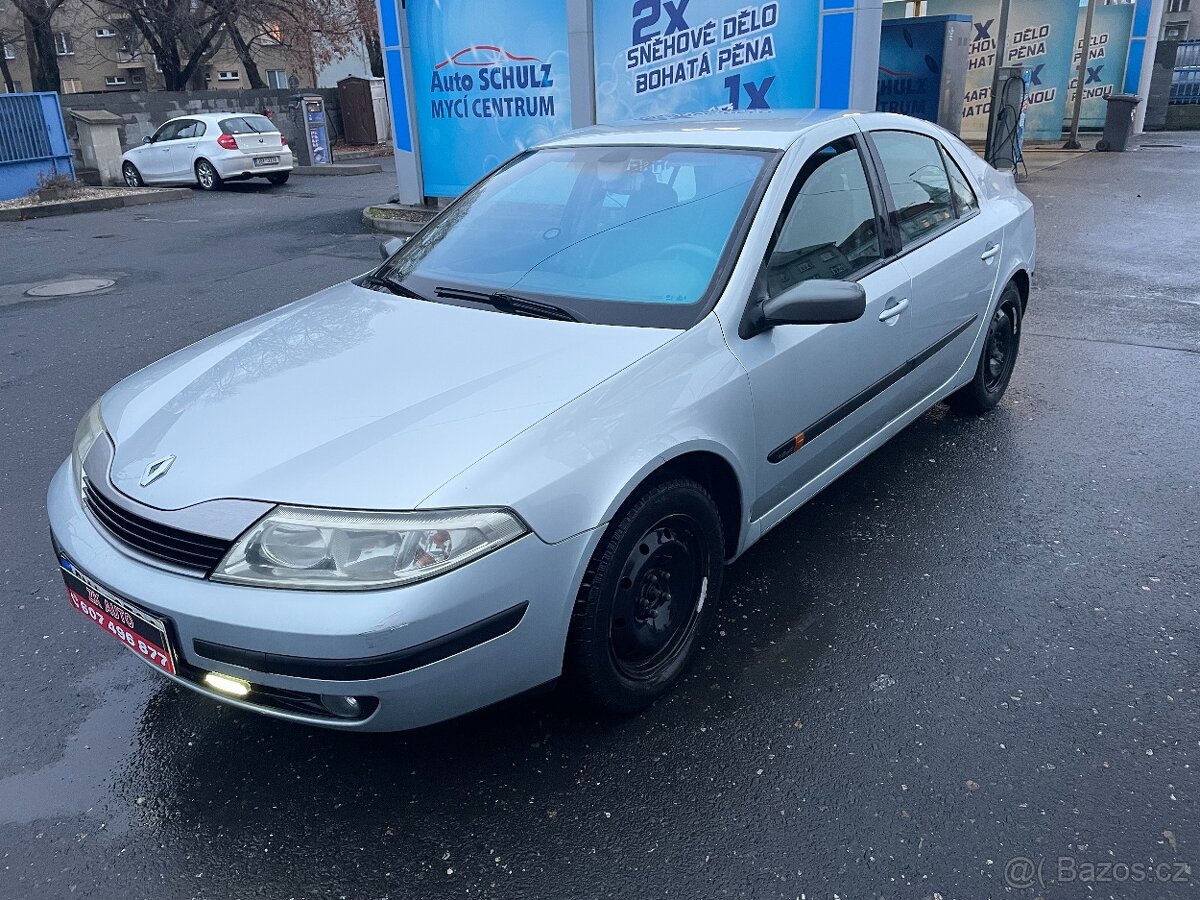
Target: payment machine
{"points": [[308, 111]]}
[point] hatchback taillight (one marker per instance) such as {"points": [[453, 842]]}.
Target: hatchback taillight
{"points": [[228, 141], [282, 141]]}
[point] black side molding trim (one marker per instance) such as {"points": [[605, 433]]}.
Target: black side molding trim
{"points": [[367, 667], [786, 449]]}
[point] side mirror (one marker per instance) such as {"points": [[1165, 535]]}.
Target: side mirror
{"points": [[816, 302], [147, 140], [390, 247]]}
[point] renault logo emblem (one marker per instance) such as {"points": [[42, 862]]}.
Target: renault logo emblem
{"points": [[157, 470]]}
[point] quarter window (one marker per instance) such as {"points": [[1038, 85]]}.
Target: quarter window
{"points": [[830, 229], [964, 198], [912, 164]]}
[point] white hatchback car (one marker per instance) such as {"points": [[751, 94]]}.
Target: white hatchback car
{"points": [[208, 150]]}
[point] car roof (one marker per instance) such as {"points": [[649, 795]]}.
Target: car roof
{"points": [[215, 117], [765, 129]]}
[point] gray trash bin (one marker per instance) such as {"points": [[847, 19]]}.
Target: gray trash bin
{"points": [[1118, 122]]}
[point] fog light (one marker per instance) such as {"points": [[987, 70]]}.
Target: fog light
{"points": [[227, 684], [342, 707]]}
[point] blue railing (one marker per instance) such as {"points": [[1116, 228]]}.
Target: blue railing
{"points": [[1185, 85], [33, 141]]}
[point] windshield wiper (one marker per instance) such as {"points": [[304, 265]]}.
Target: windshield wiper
{"points": [[510, 303], [378, 282]]}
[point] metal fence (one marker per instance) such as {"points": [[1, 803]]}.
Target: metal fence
{"points": [[1185, 85], [33, 142], [1188, 54]]}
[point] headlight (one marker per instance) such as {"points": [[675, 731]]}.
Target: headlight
{"points": [[316, 549], [90, 428]]}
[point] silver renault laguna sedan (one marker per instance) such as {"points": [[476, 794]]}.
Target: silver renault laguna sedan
{"points": [[524, 447]]}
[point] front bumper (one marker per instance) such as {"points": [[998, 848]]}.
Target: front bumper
{"points": [[242, 631]]}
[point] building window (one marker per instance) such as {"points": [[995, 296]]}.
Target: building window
{"points": [[228, 76], [114, 80], [137, 76], [10, 52], [105, 33], [16, 87], [277, 78], [62, 43], [1178, 6], [71, 85]]}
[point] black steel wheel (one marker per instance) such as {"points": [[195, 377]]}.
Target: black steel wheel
{"points": [[207, 175], [998, 358], [650, 594], [132, 176]]}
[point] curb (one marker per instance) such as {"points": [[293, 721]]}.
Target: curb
{"points": [[94, 204], [339, 169], [405, 227]]}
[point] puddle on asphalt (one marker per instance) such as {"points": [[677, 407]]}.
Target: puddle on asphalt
{"points": [[81, 779]]}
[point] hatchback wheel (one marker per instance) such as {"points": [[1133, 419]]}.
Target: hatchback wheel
{"points": [[278, 177], [132, 176], [649, 596], [207, 175], [998, 359]]}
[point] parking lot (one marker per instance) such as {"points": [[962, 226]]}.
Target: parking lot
{"points": [[976, 649]]}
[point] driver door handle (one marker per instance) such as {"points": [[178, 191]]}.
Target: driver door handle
{"points": [[991, 251], [893, 308]]}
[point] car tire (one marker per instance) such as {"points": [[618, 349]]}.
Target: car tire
{"points": [[649, 596], [998, 357], [133, 178], [207, 176], [278, 177]]}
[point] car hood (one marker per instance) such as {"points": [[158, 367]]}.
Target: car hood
{"points": [[351, 398]]}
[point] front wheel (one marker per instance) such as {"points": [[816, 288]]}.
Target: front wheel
{"points": [[998, 359], [278, 177], [649, 596], [132, 176], [207, 176]]}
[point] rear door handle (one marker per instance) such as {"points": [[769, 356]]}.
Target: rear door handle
{"points": [[991, 251], [893, 308]]}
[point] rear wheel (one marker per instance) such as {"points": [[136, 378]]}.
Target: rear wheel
{"points": [[998, 359], [649, 596], [207, 175], [278, 177], [132, 176]]}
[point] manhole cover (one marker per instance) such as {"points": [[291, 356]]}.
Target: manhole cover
{"points": [[70, 288]]}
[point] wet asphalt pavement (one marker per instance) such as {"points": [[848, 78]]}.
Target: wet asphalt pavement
{"points": [[979, 646]]}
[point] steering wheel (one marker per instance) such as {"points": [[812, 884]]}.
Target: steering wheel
{"points": [[704, 255]]}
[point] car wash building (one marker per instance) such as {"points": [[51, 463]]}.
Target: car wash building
{"points": [[472, 82]]}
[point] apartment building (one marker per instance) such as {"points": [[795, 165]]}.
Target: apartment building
{"points": [[1181, 20], [99, 54]]}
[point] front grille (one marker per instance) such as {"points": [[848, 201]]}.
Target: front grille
{"points": [[186, 549]]}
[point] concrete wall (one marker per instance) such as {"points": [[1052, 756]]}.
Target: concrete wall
{"points": [[1183, 117], [144, 111]]}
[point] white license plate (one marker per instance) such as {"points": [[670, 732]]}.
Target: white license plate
{"points": [[266, 161]]}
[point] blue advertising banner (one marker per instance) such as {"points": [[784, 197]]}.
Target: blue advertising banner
{"points": [[1041, 35], [1109, 48], [489, 80], [656, 57], [910, 66]]}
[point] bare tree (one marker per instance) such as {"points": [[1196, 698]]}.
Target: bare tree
{"points": [[180, 33], [40, 50]]}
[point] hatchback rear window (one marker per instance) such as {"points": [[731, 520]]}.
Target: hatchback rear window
{"points": [[248, 125]]}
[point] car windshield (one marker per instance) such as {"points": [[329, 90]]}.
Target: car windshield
{"points": [[616, 235], [248, 125]]}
